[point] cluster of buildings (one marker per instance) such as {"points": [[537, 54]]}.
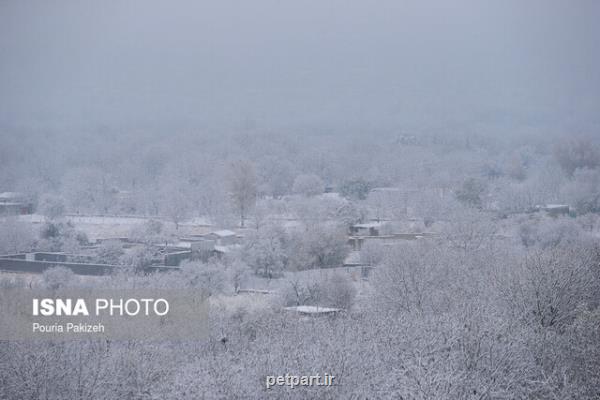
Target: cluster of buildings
{"points": [[201, 243], [159, 256]]}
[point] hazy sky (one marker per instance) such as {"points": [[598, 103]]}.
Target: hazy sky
{"points": [[304, 61]]}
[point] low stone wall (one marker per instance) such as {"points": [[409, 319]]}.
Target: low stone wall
{"points": [[38, 267], [18, 263], [21, 256], [47, 256], [174, 259]]}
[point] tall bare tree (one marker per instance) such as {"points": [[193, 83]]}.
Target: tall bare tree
{"points": [[242, 187]]}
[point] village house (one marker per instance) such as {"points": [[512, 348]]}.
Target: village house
{"points": [[554, 210], [367, 229], [216, 243], [223, 237], [14, 203], [314, 311]]}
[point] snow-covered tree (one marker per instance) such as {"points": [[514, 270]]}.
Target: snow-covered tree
{"points": [[242, 188], [52, 206], [15, 236], [264, 252], [308, 185]]}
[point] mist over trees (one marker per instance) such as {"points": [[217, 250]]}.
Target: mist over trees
{"points": [[227, 183]]}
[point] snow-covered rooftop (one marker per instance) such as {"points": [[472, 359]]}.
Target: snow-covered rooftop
{"points": [[550, 206], [227, 249], [368, 225], [11, 195], [223, 233], [313, 310], [353, 258]]}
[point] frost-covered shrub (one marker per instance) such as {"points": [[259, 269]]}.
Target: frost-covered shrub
{"points": [[58, 277]]}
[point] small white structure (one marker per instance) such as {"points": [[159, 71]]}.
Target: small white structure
{"points": [[14, 203], [314, 311], [255, 291], [227, 249], [555, 209], [367, 229], [223, 237]]}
